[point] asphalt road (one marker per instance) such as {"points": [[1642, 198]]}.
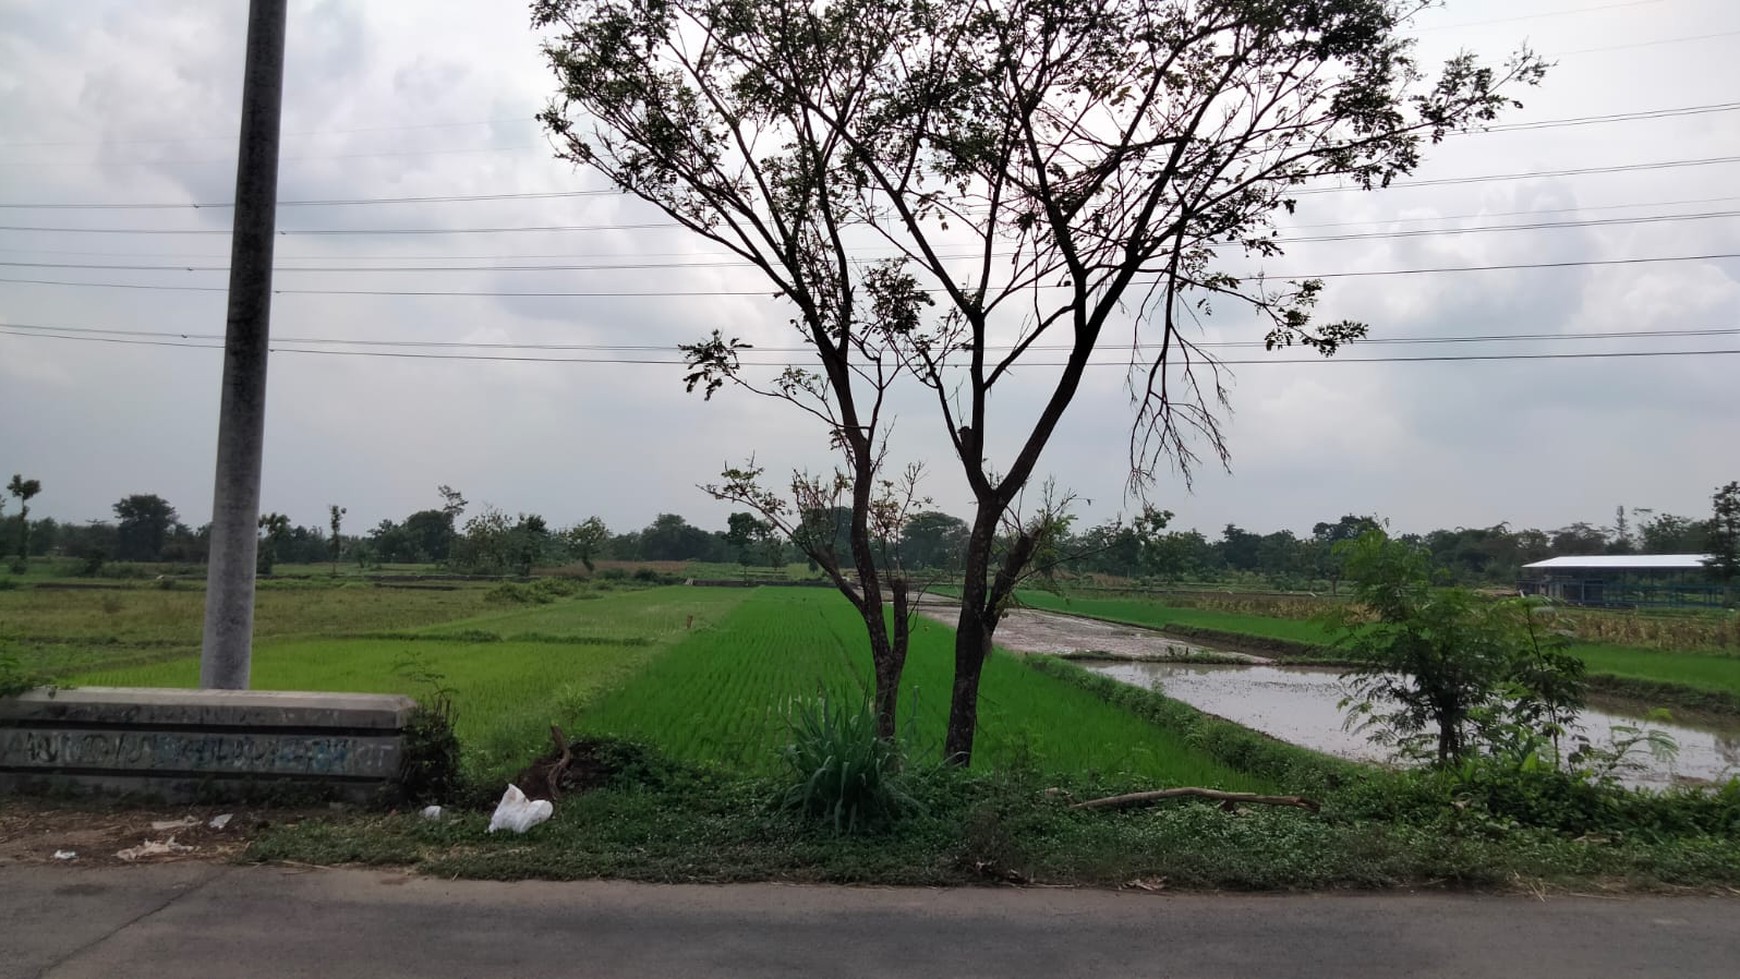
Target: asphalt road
{"points": [[205, 920]]}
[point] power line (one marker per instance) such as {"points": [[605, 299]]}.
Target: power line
{"points": [[1533, 174], [665, 225], [1642, 115], [230, 161], [769, 292], [227, 137], [675, 227], [327, 202], [741, 263], [551, 195], [1693, 110], [73, 332], [1437, 358], [1541, 15], [1649, 44], [1529, 212]]}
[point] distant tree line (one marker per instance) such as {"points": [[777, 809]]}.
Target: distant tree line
{"points": [[487, 540]]}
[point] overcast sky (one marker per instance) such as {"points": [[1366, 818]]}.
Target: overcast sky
{"points": [[137, 102]]}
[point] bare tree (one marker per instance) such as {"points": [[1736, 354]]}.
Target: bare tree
{"points": [[1065, 172]]}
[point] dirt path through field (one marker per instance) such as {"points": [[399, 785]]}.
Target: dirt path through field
{"points": [[1033, 631]]}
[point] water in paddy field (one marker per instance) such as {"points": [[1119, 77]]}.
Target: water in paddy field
{"points": [[1299, 704]]}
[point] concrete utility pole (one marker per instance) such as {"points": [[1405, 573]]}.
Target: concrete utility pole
{"points": [[229, 597]]}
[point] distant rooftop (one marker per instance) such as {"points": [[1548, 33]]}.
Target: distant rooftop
{"points": [[1621, 562]]}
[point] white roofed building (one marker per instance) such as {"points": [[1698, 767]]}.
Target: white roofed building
{"points": [[1624, 580]]}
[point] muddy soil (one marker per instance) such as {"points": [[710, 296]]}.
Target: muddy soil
{"points": [[34, 830], [1032, 631]]}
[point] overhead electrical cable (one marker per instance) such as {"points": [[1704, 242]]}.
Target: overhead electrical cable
{"points": [[768, 292], [1433, 358], [73, 331], [672, 226], [1641, 115], [552, 195], [729, 261]]}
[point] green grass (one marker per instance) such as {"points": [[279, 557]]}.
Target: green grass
{"points": [[1134, 611], [506, 692], [731, 571], [70, 631], [1701, 671], [719, 697]]}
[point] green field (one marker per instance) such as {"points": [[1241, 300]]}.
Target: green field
{"points": [[511, 674], [1702, 671], [1707, 671], [67, 631], [1136, 611], [704, 673], [719, 696]]}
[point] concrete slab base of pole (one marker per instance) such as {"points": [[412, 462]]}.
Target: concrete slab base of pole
{"points": [[202, 745]]}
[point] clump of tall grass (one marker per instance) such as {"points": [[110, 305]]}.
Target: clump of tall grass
{"points": [[841, 773]]}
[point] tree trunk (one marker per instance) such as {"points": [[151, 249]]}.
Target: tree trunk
{"points": [[973, 634], [889, 668]]}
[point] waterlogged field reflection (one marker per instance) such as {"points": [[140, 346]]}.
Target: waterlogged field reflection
{"points": [[1300, 704]]}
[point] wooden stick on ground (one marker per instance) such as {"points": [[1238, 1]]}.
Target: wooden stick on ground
{"points": [[560, 768], [1142, 798]]}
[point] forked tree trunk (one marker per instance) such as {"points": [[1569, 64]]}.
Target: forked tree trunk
{"points": [[973, 635], [890, 667]]}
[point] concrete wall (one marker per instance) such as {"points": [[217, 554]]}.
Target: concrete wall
{"points": [[182, 745]]}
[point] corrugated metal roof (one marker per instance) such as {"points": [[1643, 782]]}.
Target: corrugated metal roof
{"points": [[1622, 562]]}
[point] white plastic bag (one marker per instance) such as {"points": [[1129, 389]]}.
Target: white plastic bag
{"points": [[518, 813], [431, 812]]}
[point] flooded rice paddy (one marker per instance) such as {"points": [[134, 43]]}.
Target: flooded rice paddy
{"points": [[1300, 704]]}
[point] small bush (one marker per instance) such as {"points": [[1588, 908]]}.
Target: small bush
{"points": [[15, 679], [429, 768], [842, 773], [543, 591]]}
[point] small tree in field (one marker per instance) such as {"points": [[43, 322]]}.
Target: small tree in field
{"points": [[23, 489], [336, 545], [1724, 537], [277, 528], [1446, 673], [940, 190]]}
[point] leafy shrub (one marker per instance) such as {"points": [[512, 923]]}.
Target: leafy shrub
{"points": [[1444, 673], [429, 763], [15, 679], [842, 773], [429, 767]]}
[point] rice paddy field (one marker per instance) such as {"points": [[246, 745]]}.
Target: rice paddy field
{"points": [[1714, 670], [1155, 615], [510, 675], [706, 674], [720, 697]]}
